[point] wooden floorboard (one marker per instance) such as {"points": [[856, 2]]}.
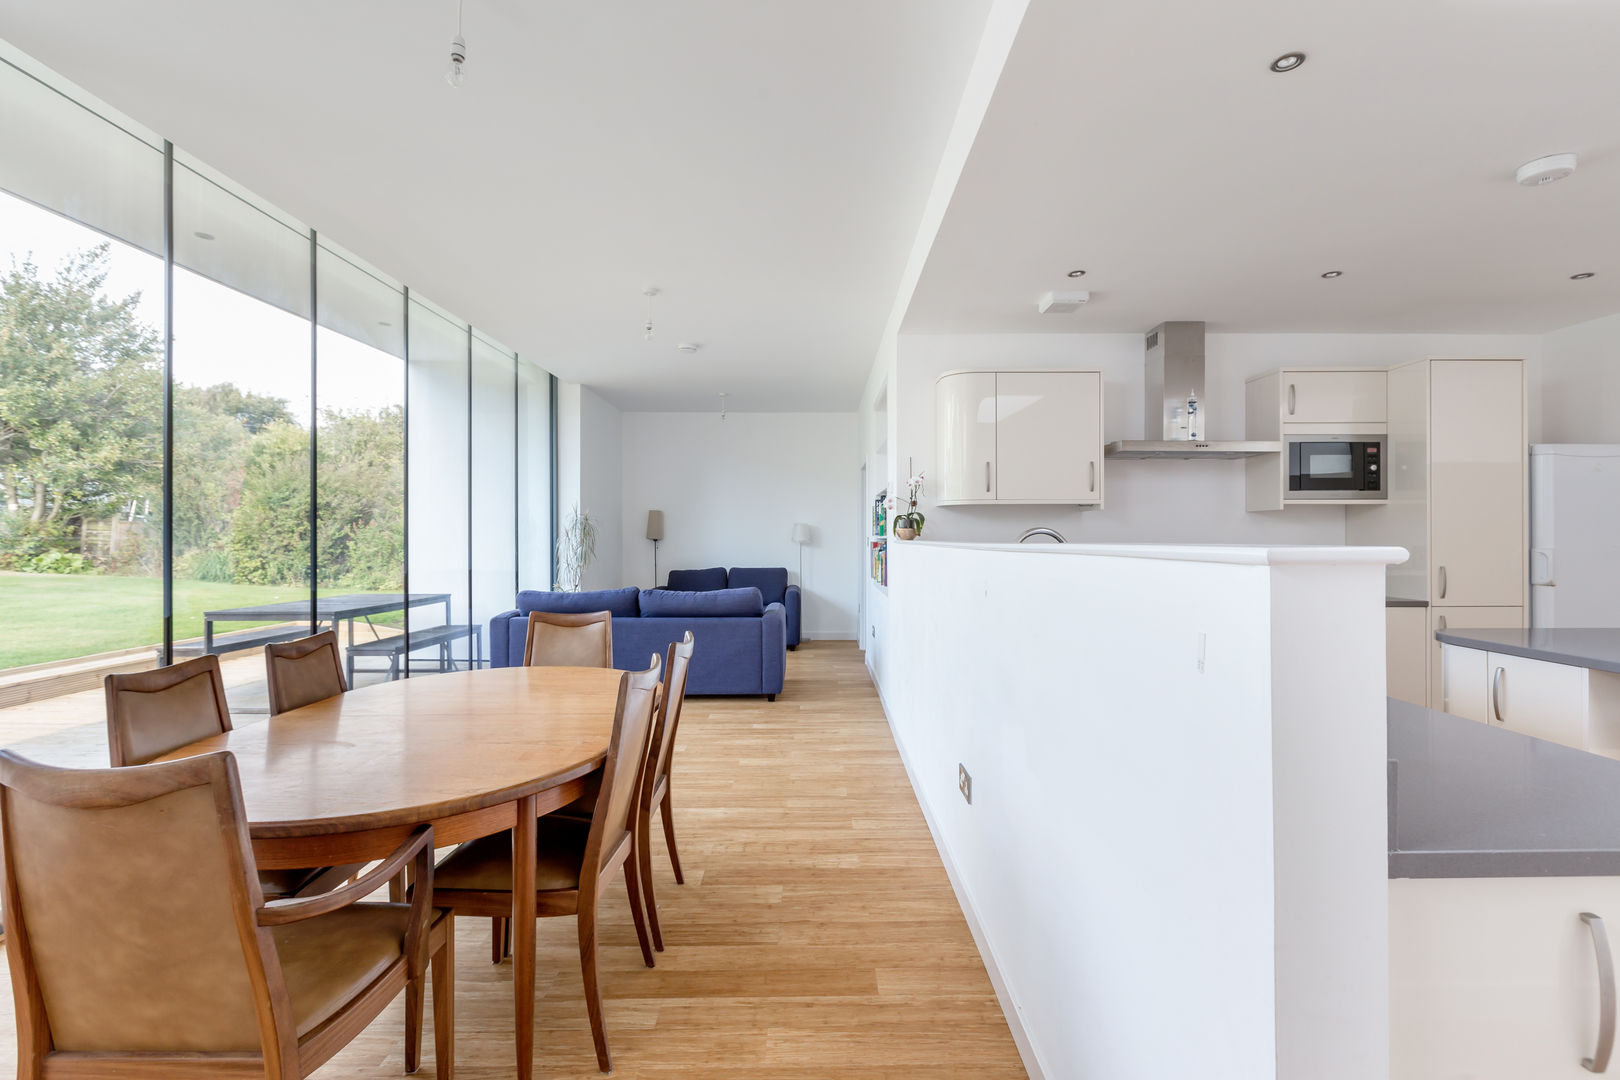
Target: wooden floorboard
{"points": [[816, 935]]}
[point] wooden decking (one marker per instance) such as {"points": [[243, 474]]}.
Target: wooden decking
{"points": [[816, 936]]}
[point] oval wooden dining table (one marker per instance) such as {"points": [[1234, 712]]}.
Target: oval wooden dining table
{"points": [[345, 780]]}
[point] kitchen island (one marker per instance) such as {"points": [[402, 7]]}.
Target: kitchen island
{"points": [[1562, 685], [1504, 862]]}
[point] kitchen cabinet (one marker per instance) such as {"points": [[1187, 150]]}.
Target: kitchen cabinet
{"points": [[1459, 619], [1019, 437], [1342, 398], [1406, 672], [1496, 978], [1334, 401], [1562, 703]]}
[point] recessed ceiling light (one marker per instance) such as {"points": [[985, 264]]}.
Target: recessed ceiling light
{"points": [[203, 235], [1333, 274], [1288, 61], [1582, 276], [1077, 273], [1544, 170], [687, 347]]}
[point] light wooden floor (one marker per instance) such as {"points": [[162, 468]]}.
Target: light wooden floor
{"points": [[816, 935]]}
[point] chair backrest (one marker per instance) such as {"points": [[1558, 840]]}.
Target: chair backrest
{"points": [[150, 713], [662, 747], [622, 774], [560, 640], [129, 903], [300, 672]]}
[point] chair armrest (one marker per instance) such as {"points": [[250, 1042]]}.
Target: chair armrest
{"points": [[500, 629], [297, 909], [793, 601], [773, 642]]}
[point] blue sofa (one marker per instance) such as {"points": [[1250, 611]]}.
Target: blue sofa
{"points": [[771, 581], [741, 641]]}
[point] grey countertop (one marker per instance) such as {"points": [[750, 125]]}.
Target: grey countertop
{"points": [[1595, 647], [1396, 601], [1472, 800]]}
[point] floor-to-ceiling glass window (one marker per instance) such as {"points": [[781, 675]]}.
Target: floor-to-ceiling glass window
{"points": [[360, 461], [534, 477], [494, 480], [437, 524], [241, 425], [81, 388]]}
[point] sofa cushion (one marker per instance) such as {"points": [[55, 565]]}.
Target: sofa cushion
{"points": [[697, 580], [710, 604], [771, 581], [621, 602]]}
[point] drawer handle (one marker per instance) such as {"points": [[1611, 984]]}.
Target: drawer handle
{"points": [[1496, 694], [1442, 583], [1599, 1061], [1290, 399]]}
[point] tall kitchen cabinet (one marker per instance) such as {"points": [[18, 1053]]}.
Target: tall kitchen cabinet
{"points": [[1018, 437], [1458, 492]]}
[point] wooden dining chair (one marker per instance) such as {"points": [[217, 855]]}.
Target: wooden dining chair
{"points": [[304, 671], [575, 860], [559, 640], [655, 785], [153, 713], [140, 944]]}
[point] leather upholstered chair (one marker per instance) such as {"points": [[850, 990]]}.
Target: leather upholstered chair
{"points": [[141, 945], [302, 672], [575, 859], [153, 713], [558, 640]]}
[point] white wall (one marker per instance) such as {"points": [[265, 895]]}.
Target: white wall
{"points": [[589, 435], [731, 491], [1580, 384], [1174, 869], [1153, 501]]}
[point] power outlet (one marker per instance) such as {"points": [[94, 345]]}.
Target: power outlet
{"points": [[964, 782]]}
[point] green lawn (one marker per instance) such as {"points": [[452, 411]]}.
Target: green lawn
{"points": [[46, 617]]}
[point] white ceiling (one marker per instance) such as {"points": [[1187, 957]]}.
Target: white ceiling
{"points": [[764, 163], [1148, 143]]}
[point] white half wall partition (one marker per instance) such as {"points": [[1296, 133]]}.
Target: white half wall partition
{"points": [[1175, 857]]}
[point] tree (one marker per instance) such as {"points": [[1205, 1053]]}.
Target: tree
{"points": [[81, 390]]}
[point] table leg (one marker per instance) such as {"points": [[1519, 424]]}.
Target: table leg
{"points": [[523, 862], [208, 636]]}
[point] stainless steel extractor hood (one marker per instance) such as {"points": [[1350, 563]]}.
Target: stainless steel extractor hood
{"points": [[1175, 368]]}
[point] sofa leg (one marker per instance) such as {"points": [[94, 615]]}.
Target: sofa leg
{"points": [[770, 697], [791, 648]]}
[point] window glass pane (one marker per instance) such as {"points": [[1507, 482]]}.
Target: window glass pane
{"points": [[81, 408], [437, 451], [241, 436], [534, 477], [360, 462], [494, 480]]}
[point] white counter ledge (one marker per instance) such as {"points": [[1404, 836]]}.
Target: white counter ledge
{"points": [[1237, 554]]}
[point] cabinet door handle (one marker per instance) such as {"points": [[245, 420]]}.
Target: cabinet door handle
{"points": [[1496, 694], [1442, 622], [987, 476], [1599, 1061], [1442, 583], [1290, 399], [1093, 477]]}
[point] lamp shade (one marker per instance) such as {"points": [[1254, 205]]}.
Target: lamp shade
{"points": [[801, 533], [655, 524]]}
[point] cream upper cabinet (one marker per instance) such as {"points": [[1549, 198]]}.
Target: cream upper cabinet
{"points": [[1333, 397], [965, 436], [1477, 455], [1019, 437]]}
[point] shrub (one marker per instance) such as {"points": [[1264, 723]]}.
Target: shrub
{"points": [[59, 562]]}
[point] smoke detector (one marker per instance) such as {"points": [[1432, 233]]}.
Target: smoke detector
{"points": [[1061, 302], [1544, 170]]}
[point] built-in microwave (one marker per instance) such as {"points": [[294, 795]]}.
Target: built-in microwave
{"points": [[1336, 467]]}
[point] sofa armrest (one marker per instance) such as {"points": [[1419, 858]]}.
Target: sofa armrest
{"points": [[500, 627], [793, 602], [773, 645]]}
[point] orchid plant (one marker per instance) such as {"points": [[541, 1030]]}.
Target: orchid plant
{"points": [[914, 488]]}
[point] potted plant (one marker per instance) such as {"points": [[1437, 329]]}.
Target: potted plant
{"points": [[576, 547], [908, 524]]}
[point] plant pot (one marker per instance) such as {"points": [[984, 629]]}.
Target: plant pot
{"points": [[904, 527]]}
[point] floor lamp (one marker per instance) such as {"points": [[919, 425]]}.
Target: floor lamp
{"points": [[655, 533], [801, 536]]}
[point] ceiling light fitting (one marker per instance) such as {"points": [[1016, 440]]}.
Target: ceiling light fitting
{"points": [[1544, 170], [1288, 62], [687, 347], [1077, 273], [455, 73], [649, 292], [1331, 274], [1061, 302], [1582, 276]]}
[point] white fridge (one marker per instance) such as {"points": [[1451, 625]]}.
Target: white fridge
{"points": [[1574, 535]]}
